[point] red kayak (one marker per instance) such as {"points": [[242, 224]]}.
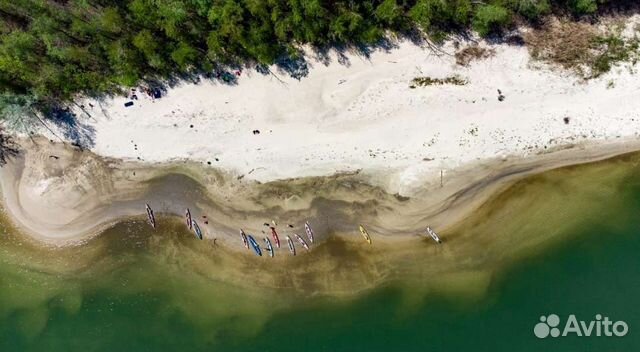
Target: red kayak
{"points": [[244, 239], [274, 234]]}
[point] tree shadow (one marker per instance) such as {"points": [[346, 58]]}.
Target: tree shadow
{"points": [[78, 132], [295, 67]]}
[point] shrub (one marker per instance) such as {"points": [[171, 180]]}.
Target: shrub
{"points": [[584, 7], [491, 19], [530, 9]]}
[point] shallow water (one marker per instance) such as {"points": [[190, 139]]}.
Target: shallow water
{"points": [[562, 242]]}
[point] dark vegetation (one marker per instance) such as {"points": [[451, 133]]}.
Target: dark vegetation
{"points": [[8, 148], [53, 50], [587, 50], [472, 52], [429, 81]]}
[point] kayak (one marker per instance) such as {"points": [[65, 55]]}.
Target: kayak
{"points": [[187, 215], [309, 231], [196, 229], [254, 244], [150, 216], [433, 235], [274, 234], [269, 247], [292, 248], [244, 239], [301, 240], [365, 234]]}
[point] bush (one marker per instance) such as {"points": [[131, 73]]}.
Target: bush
{"points": [[584, 7], [491, 19], [530, 9]]}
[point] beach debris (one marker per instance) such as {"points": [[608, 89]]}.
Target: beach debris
{"points": [[433, 235], [256, 132], [471, 53], [150, 216], [429, 81], [128, 104], [566, 120], [365, 234], [500, 96]]}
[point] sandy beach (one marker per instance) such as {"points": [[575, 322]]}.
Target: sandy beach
{"points": [[351, 121], [359, 113], [77, 194]]}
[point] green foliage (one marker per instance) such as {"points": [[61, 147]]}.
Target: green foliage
{"points": [[388, 12], [56, 50], [583, 7], [613, 49], [14, 108], [491, 19], [530, 9]]}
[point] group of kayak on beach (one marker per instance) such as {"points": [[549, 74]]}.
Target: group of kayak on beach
{"points": [[249, 240]]}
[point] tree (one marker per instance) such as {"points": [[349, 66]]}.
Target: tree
{"points": [[584, 7], [421, 14], [184, 55], [530, 9], [491, 19], [388, 12]]}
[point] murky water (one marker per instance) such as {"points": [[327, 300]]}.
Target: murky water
{"points": [[562, 242]]}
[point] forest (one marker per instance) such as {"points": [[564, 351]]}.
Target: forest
{"points": [[52, 51]]}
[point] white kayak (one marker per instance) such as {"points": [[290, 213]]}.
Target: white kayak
{"points": [[433, 235]]}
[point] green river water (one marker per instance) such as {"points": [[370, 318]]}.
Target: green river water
{"points": [[128, 290]]}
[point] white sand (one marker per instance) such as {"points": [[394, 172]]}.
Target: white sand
{"points": [[363, 115]]}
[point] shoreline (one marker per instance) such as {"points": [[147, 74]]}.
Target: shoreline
{"points": [[530, 216], [351, 142], [57, 201]]}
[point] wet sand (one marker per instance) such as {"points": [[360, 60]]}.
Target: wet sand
{"points": [[68, 199]]}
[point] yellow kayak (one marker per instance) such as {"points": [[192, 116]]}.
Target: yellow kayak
{"points": [[365, 234]]}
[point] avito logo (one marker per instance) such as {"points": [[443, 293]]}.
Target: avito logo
{"points": [[550, 326]]}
